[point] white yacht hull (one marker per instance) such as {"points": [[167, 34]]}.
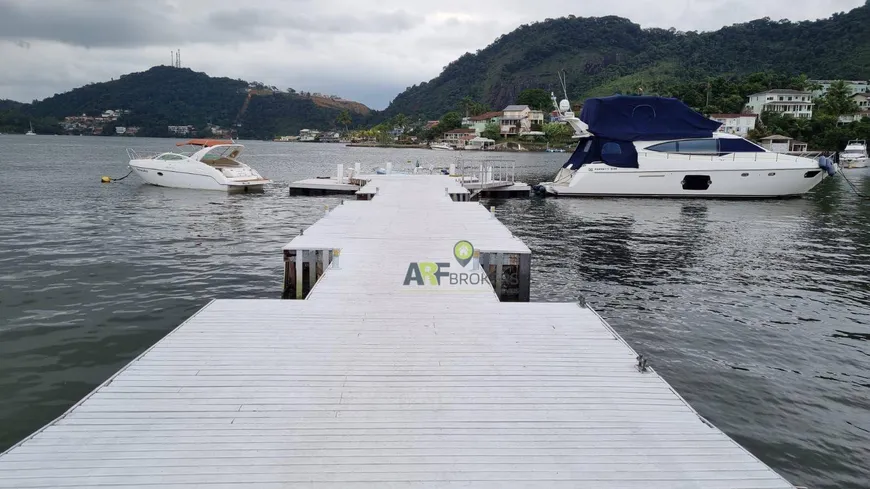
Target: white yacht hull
{"points": [[197, 177], [600, 180], [853, 163]]}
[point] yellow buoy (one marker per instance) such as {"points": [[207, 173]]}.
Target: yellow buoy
{"points": [[105, 179]]}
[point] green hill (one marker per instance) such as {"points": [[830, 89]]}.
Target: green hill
{"points": [[164, 96], [605, 55]]}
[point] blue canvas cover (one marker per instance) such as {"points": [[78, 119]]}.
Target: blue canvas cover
{"points": [[644, 118], [616, 153]]}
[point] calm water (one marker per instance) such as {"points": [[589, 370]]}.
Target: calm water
{"points": [[758, 313]]}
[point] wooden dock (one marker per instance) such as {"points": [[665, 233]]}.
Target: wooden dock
{"points": [[369, 383]]}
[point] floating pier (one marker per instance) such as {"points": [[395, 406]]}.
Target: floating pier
{"points": [[488, 178], [383, 377]]}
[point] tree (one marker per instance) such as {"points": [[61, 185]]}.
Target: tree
{"points": [[400, 121], [491, 131], [536, 99], [449, 121], [471, 108], [556, 132], [838, 101], [344, 119]]}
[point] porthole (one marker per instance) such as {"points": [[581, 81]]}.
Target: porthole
{"points": [[160, 173], [744, 174], [771, 174]]}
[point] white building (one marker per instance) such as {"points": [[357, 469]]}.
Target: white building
{"points": [[862, 100], [855, 86], [739, 124], [181, 130], [515, 120], [796, 103], [783, 144]]}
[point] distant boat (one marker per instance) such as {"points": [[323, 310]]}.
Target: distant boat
{"points": [[855, 155], [30, 132], [441, 146]]}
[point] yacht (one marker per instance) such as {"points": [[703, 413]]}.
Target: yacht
{"points": [[212, 165], [855, 155], [441, 146], [644, 146], [30, 132]]}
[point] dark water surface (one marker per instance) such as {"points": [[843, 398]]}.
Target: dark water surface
{"points": [[758, 312]]}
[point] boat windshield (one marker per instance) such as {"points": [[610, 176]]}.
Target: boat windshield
{"points": [[222, 155]]}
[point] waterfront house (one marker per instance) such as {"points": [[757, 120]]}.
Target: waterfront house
{"points": [[795, 103], [739, 124], [782, 144], [854, 86], [479, 122], [515, 120], [458, 137], [536, 121]]}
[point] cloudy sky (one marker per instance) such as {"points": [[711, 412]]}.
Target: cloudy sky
{"points": [[365, 50]]}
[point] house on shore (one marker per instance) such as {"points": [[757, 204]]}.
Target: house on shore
{"points": [[796, 103], [783, 144], [521, 120], [479, 122], [738, 124], [458, 137]]}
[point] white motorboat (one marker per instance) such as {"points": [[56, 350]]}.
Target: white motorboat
{"points": [[30, 132], [855, 155], [441, 146], [211, 167], [642, 146]]}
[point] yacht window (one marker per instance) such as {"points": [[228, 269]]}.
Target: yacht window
{"points": [[611, 149], [698, 146], [670, 147], [734, 145]]}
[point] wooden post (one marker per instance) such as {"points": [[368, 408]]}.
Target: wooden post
{"points": [[524, 277], [299, 263]]}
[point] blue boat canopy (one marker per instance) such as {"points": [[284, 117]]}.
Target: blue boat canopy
{"points": [[644, 118]]}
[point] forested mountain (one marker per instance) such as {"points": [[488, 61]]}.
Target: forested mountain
{"points": [[606, 55], [164, 96]]}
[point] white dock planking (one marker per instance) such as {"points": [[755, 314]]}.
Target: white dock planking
{"points": [[368, 385]]}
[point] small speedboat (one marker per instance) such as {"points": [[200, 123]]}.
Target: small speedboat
{"points": [[213, 166], [441, 146], [855, 155]]}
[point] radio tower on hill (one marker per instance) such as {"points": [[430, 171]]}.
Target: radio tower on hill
{"points": [[175, 58]]}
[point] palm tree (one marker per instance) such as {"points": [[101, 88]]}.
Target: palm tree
{"points": [[344, 119]]}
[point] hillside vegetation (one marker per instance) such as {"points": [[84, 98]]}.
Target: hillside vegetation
{"points": [[606, 55], [164, 96]]}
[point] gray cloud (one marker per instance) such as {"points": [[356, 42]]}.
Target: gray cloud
{"points": [[362, 49]]}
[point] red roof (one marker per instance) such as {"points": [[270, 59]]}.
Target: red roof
{"points": [[461, 131], [486, 116]]}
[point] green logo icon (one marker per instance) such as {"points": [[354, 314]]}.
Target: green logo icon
{"points": [[463, 251]]}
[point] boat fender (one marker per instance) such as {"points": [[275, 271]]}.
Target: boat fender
{"points": [[828, 165]]}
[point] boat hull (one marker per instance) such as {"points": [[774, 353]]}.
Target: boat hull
{"points": [[193, 179], [603, 181], [856, 163]]}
